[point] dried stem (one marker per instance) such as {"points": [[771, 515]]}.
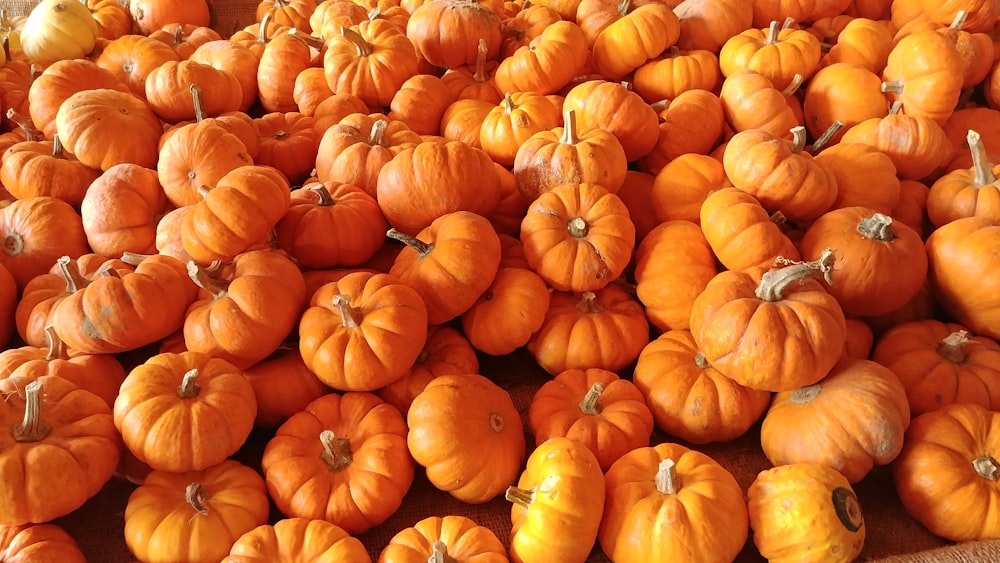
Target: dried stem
{"points": [[591, 403], [775, 282]]}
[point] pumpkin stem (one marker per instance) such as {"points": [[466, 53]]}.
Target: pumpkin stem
{"points": [[667, 480], [591, 403], [826, 137], [623, 7], [482, 49], [265, 22], [577, 227], [788, 23], [374, 14], [134, 258], [569, 134], [57, 147], [508, 104], [199, 108], [877, 227], [893, 86], [196, 496], [178, 35], [987, 467], [701, 361], [774, 282], [203, 191], [798, 139], [896, 107], [660, 105], [422, 248], [205, 278], [496, 422], [189, 388], [521, 497], [108, 271], [440, 553], [805, 395], [325, 199], [588, 303], [337, 453], [959, 22], [71, 272], [778, 218], [377, 135], [793, 86], [57, 348], [983, 172], [952, 347], [350, 317], [309, 40], [24, 123], [772, 33], [32, 428], [361, 47]]}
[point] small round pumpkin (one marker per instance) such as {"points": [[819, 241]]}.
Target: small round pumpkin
{"points": [[38, 543], [437, 538], [297, 539], [833, 532]]}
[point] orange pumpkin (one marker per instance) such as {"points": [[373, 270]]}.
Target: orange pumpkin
{"points": [[548, 63], [39, 542], [292, 538], [444, 537], [91, 125], [283, 386]]}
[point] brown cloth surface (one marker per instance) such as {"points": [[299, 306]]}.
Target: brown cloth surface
{"points": [[893, 536]]}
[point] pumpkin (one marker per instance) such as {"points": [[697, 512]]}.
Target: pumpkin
{"points": [[370, 63], [810, 425], [101, 374], [60, 435], [637, 36], [511, 309], [596, 408], [578, 237], [168, 91], [611, 106], [692, 123], [291, 13], [605, 329], [447, 33], [946, 475], [917, 145], [150, 15], [673, 264], [830, 86], [421, 102], [940, 364], [740, 231], [467, 433], [58, 30], [196, 515], [120, 210], [508, 125], [43, 168], [750, 101], [473, 81], [39, 542], [924, 72], [8, 306], [257, 193], [862, 41], [342, 459], [981, 15], [708, 24], [363, 332], [866, 177], [762, 310], [293, 538], [835, 530], [567, 155], [44, 291], [442, 537], [185, 38], [91, 124], [779, 174], [208, 402], [450, 264], [245, 311], [559, 488], [355, 148], [681, 186], [972, 192], [429, 180], [547, 63], [131, 58], [648, 489], [775, 52], [446, 352], [35, 233], [529, 22], [669, 75], [960, 279], [104, 316], [283, 386], [688, 397], [877, 272], [235, 59]]}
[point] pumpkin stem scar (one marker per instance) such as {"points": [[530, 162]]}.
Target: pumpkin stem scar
{"points": [[189, 388], [987, 467], [577, 227], [805, 395], [775, 282], [440, 553], [32, 428], [496, 422], [877, 227], [701, 361], [422, 248], [196, 496], [982, 170], [520, 497], [667, 480], [591, 403], [13, 243], [350, 317], [337, 453], [952, 347]]}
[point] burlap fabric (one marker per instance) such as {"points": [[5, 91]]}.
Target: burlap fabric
{"points": [[893, 536]]}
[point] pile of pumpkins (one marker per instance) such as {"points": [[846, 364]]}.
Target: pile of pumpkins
{"points": [[695, 215]]}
